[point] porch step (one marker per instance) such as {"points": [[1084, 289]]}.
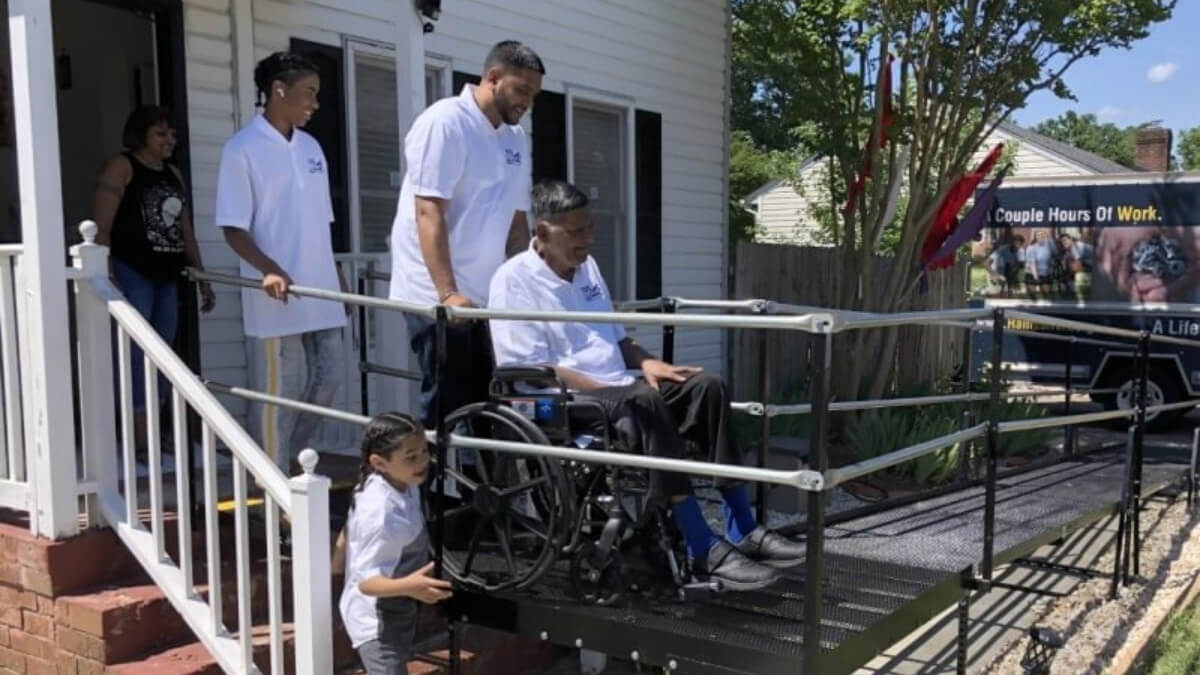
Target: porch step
{"points": [[118, 622], [194, 659]]}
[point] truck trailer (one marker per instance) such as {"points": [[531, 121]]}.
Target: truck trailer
{"points": [[1118, 249]]}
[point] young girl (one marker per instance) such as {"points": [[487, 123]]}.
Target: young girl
{"points": [[384, 547]]}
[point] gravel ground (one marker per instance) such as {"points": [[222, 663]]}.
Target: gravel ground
{"points": [[1096, 628]]}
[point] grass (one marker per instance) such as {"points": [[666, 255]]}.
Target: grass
{"points": [[1177, 649]]}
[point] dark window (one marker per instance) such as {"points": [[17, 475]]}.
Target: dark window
{"points": [[328, 126], [648, 164]]}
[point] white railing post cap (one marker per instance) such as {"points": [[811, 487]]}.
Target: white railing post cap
{"points": [[308, 460], [89, 229]]}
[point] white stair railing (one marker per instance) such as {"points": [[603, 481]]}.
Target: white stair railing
{"points": [[303, 500]]}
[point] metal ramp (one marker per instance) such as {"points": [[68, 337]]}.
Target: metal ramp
{"points": [[886, 574]]}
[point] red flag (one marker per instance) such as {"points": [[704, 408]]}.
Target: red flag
{"points": [[888, 119], [944, 221]]}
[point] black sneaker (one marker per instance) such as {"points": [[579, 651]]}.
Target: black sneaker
{"points": [[770, 548], [732, 569]]}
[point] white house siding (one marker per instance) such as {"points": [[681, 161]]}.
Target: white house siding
{"points": [[783, 215], [668, 56], [665, 56], [782, 212], [1030, 160], [212, 109]]}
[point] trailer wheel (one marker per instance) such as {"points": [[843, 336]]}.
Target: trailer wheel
{"points": [[1162, 387]]}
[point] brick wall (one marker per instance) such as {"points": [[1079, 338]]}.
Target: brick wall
{"points": [[41, 633]]}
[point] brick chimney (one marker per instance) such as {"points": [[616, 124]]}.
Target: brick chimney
{"points": [[1154, 149]]}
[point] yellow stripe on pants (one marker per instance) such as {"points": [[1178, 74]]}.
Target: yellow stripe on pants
{"points": [[270, 414]]}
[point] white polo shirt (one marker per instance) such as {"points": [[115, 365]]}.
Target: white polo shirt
{"points": [[278, 190], [385, 536], [526, 282], [454, 153]]}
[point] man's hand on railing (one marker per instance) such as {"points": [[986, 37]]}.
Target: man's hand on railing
{"points": [[276, 285]]}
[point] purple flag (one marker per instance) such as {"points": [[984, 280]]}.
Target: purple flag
{"points": [[972, 223]]}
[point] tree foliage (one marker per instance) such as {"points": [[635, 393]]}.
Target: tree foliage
{"points": [[806, 73], [750, 167], [1189, 149], [1085, 132]]}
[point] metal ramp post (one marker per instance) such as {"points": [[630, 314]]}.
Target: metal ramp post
{"points": [[814, 563]]}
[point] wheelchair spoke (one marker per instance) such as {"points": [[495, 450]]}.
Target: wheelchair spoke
{"points": [[457, 511], [508, 492], [502, 537], [474, 548], [485, 477], [460, 478], [529, 524]]}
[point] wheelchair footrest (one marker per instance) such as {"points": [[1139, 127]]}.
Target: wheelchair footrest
{"points": [[698, 590]]}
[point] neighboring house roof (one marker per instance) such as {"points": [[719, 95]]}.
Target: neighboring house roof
{"points": [[1087, 160], [749, 199]]}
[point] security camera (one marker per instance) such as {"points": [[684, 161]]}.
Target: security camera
{"points": [[430, 9]]}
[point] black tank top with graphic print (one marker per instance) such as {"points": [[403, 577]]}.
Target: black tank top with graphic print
{"points": [[147, 231]]}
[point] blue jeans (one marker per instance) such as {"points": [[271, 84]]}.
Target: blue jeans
{"points": [[158, 301], [469, 348]]}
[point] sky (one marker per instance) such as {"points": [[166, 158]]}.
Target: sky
{"points": [[1155, 79]]}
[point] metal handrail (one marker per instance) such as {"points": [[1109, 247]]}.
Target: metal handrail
{"points": [[300, 406], [814, 323], [1065, 420], [757, 408], [904, 318], [319, 293], [835, 477], [802, 479], [1097, 328]]}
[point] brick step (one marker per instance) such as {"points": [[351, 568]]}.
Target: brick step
{"points": [[119, 621], [194, 659]]}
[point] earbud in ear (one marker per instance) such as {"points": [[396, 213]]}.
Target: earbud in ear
{"points": [[280, 92]]}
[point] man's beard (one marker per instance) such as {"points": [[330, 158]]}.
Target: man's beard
{"points": [[507, 111]]}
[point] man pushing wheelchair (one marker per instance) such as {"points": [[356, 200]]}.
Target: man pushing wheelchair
{"points": [[656, 415]]}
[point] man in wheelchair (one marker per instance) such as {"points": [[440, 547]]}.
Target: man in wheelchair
{"points": [[672, 405]]}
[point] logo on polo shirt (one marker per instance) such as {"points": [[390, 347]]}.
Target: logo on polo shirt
{"points": [[591, 292], [512, 157], [315, 165]]}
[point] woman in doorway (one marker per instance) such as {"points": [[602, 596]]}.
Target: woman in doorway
{"points": [[143, 217]]}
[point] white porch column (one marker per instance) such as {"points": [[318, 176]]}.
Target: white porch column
{"points": [[49, 423], [393, 350]]}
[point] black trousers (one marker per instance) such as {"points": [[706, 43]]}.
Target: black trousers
{"points": [[469, 364], [658, 424]]}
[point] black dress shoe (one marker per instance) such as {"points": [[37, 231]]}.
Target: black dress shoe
{"points": [[732, 569], [770, 548]]}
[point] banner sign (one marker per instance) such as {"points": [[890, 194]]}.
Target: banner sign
{"points": [[1132, 243]]}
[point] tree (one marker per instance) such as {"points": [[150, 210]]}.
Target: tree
{"points": [[1087, 133], [1189, 149], [809, 72], [750, 167]]}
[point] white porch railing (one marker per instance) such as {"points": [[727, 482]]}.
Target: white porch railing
{"points": [[15, 492], [303, 500]]}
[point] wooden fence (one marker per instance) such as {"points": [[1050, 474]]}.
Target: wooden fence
{"points": [[807, 276]]}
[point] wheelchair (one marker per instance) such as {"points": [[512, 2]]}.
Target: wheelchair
{"points": [[511, 519]]}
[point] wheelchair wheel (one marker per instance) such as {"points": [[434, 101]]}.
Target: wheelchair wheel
{"points": [[507, 523]]}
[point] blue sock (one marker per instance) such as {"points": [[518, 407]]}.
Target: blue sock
{"points": [[690, 520], [739, 518]]}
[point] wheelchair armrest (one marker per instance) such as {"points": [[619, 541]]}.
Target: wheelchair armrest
{"points": [[538, 375]]}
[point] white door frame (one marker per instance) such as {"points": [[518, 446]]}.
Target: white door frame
{"points": [[601, 100], [353, 48]]}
